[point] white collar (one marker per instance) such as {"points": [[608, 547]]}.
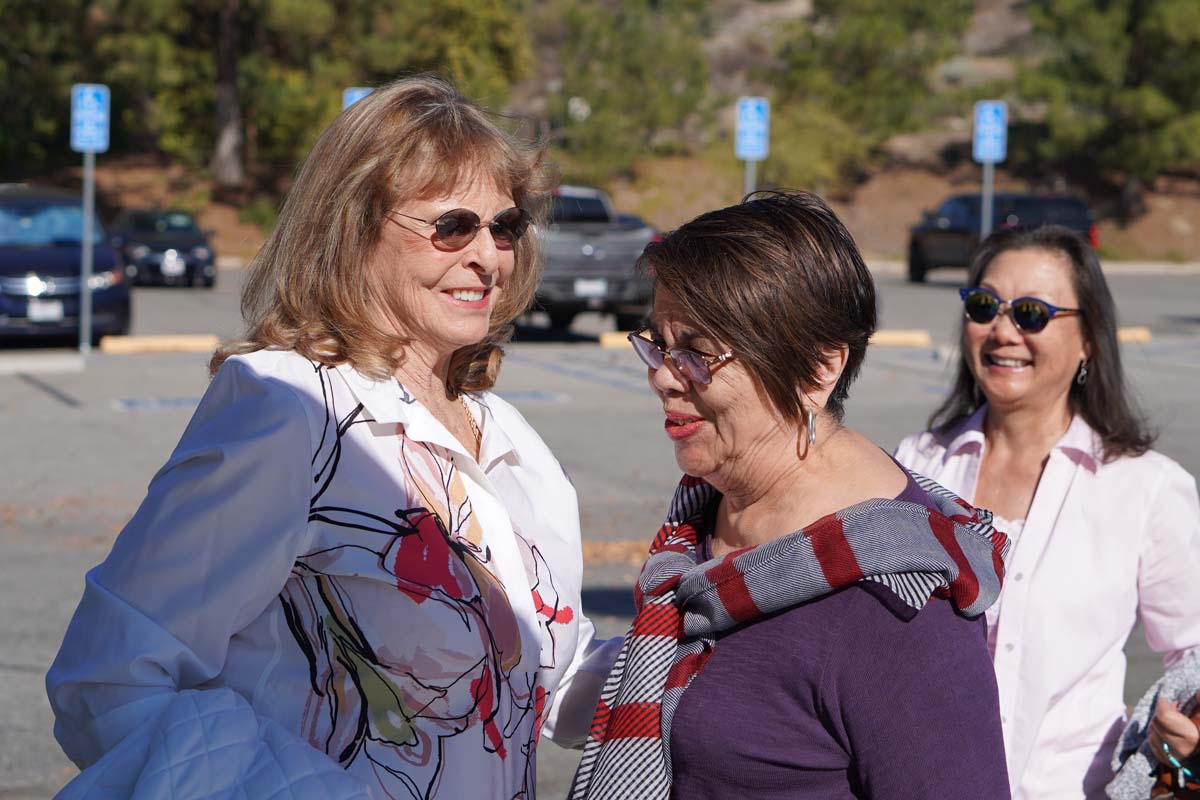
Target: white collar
{"points": [[389, 402], [1079, 442]]}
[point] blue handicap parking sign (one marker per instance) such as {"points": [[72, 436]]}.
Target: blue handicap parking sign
{"points": [[353, 95], [89, 117], [752, 134], [990, 143]]}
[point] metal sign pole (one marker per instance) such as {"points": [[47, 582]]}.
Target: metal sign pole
{"points": [[89, 135], [989, 146], [85, 284], [752, 137], [985, 210]]}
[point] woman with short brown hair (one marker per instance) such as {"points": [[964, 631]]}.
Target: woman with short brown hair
{"points": [[358, 575], [809, 618]]}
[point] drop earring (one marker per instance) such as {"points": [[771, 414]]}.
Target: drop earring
{"points": [[1081, 377], [812, 426]]}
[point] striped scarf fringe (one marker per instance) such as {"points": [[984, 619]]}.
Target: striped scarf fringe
{"points": [[947, 550]]}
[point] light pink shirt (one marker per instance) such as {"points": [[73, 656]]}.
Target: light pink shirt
{"points": [[1103, 545]]}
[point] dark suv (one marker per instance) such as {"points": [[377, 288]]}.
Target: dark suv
{"points": [[41, 233], [947, 237], [165, 246]]}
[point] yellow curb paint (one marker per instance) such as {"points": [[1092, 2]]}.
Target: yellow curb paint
{"points": [[620, 551], [902, 338], [1137, 335], [126, 345], [886, 338], [615, 339]]}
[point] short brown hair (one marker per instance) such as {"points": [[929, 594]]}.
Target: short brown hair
{"points": [[778, 279], [413, 138]]}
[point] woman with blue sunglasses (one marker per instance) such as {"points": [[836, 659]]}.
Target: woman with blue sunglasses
{"points": [[1039, 428]]}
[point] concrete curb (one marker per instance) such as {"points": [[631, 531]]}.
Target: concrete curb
{"points": [[127, 345], [887, 266], [41, 361], [901, 338], [615, 340], [1134, 335]]}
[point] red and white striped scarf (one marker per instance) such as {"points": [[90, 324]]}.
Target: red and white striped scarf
{"points": [[946, 549]]}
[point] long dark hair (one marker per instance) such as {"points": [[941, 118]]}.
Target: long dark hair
{"points": [[1103, 400]]}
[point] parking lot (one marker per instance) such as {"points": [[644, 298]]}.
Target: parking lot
{"points": [[82, 440]]}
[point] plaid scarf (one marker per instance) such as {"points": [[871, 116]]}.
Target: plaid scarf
{"points": [[947, 549]]}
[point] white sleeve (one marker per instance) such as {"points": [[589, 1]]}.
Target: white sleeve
{"points": [[578, 694], [1169, 568], [210, 547], [907, 451]]}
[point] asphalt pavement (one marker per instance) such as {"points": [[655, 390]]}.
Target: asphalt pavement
{"points": [[81, 440]]}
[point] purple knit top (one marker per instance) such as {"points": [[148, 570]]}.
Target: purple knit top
{"points": [[840, 697]]}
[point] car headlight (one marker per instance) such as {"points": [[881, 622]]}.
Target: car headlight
{"points": [[201, 253], [139, 251], [106, 279]]}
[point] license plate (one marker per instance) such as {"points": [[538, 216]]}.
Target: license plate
{"points": [[172, 265], [591, 287], [45, 310]]}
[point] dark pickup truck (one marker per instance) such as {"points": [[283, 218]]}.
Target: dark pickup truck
{"points": [[590, 254], [948, 236]]}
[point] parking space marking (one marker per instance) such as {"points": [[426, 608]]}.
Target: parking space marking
{"points": [[154, 403], [533, 396], [54, 392], [588, 376]]}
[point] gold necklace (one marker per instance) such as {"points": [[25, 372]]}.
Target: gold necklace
{"points": [[471, 420]]}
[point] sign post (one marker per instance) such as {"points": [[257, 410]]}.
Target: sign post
{"points": [[989, 147], [353, 94], [752, 136], [89, 135]]}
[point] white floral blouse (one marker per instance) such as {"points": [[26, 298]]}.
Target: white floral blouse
{"points": [[322, 548]]}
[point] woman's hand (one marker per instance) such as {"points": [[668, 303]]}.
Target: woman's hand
{"points": [[1172, 728]]}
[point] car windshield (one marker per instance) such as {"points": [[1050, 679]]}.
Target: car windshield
{"points": [[167, 222], [1064, 211], [578, 209], [45, 224], [961, 212]]}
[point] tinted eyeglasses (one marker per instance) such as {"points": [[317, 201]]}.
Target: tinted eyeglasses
{"points": [[696, 367], [1028, 313], [457, 228]]}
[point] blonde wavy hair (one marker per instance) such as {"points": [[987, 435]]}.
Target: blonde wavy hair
{"points": [[415, 138]]}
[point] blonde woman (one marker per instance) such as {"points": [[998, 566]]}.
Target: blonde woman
{"points": [[358, 574]]}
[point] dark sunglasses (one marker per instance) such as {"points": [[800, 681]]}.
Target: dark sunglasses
{"points": [[696, 367], [1028, 313], [457, 228]]}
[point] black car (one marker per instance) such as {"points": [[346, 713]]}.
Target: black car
{"points": [[41, 235], [947, 237], [165, 247]]}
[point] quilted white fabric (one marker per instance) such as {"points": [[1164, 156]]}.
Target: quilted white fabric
{"points": [[210, 745]]}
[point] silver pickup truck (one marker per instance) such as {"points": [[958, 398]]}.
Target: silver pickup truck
{"points": [[590, 255]]}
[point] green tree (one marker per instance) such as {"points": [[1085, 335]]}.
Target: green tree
{"points": [[242, 86], [1120, 86], [854, 74], [43, 50], [634, 82]]}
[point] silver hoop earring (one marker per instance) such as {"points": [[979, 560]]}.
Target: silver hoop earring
{"points": [[1081, 377], [812, 426]]}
